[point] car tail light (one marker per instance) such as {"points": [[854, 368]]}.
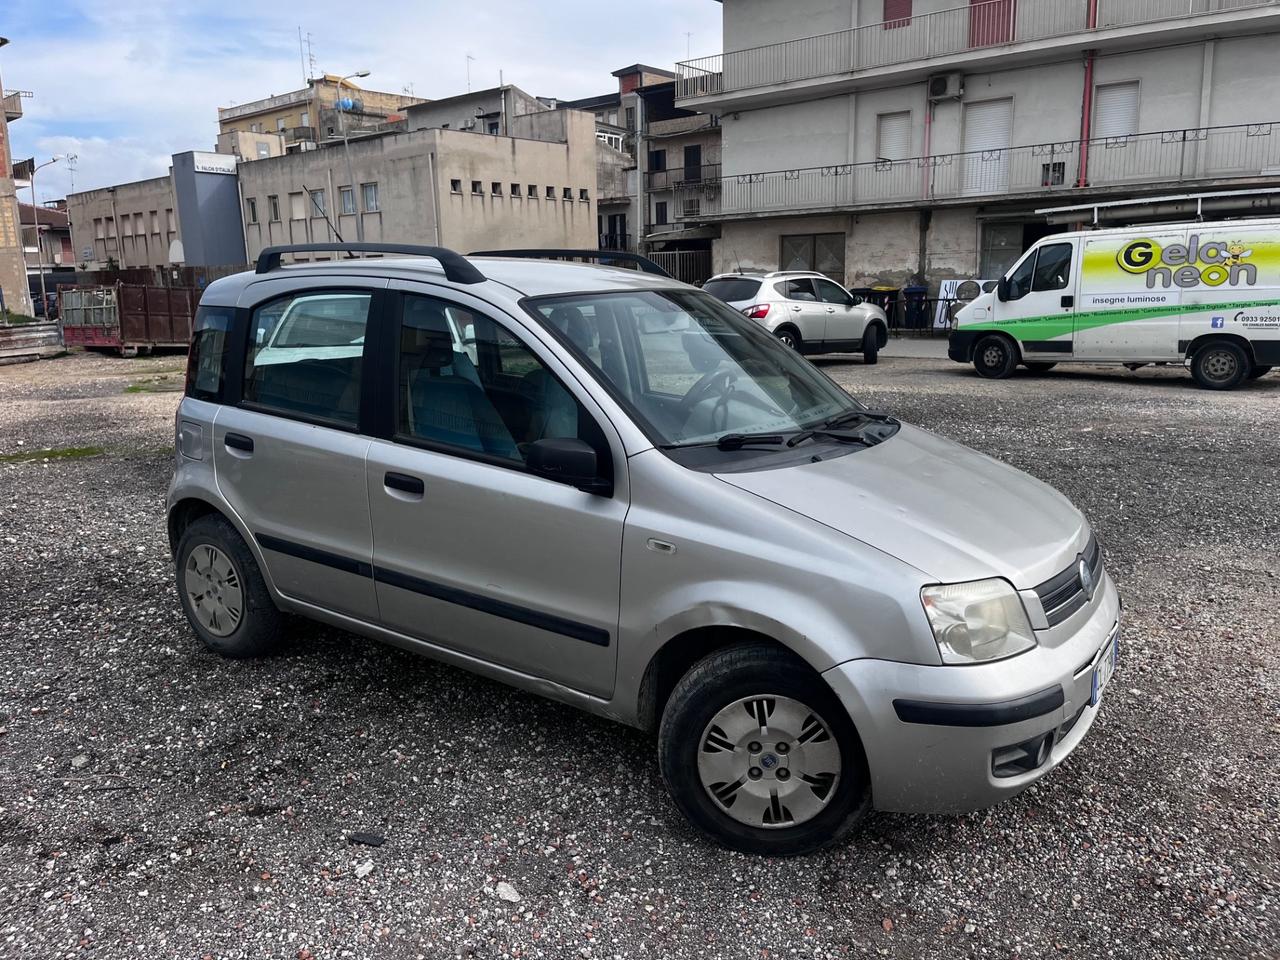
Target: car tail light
{"points": [[757, 311]]}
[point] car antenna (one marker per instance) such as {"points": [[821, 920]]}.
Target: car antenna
{"points": [[324, 213], [736, 261]]}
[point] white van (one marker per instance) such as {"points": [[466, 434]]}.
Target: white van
{"points": [[1203, 294]]}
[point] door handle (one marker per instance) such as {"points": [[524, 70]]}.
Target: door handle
{"points": [[1068, 300], [238, 441], [405, 484]]}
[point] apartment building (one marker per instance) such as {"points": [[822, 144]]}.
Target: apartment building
{"points": [[46, 237], [317, 112], [13, 271], [457, 188], [126, 225], [898, 141]]}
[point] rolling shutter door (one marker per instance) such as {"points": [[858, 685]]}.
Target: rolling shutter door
{"points": [[1116, 110], [986, 145]]}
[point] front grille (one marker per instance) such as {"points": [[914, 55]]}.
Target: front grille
{"points": [[1064, 594]]}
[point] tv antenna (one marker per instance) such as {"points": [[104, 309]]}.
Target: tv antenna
{"points": [[470, 58]]}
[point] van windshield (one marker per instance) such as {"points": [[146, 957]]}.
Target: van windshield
{"points": [[691, 369]]}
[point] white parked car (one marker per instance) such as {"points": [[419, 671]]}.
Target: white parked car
{"points": [[807, 311]]}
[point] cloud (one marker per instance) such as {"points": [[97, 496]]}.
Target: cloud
{"points": [[125, 85]]}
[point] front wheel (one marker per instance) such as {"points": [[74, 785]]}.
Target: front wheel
{"points": [[1258, 371], [871, 345], [1220, 365], [995, 357], [760, 755]]}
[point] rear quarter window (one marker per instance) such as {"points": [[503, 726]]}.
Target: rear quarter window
{"points": [[732, 289], [207, 359]]}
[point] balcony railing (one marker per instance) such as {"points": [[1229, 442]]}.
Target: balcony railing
{"points": [[680, 176], [615, 241], [1167, 157], [957, 30]]}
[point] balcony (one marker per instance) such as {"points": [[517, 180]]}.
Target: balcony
{"points": [[1074, 168], [970, 38], [616, 241], [678, 177], [11, 104], [277, 102], [680, 126]]}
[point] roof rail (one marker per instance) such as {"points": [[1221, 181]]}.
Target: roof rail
{"points": [[456, 267], [550, 253]]}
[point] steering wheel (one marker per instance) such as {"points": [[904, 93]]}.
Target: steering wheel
{"points": [[707, 384]]}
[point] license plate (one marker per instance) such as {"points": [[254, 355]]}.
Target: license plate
{"points": [[1104, 669]]}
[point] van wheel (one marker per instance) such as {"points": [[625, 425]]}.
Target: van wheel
{"points": [[1258, 371], [995, 357], [760, 755], [1220, 365], [1040, 367], [790, 337], [871, 344], [223, 593]]}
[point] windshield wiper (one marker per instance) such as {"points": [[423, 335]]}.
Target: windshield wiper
{"points": [[736, 441], [867, 440], [840, 419], [828, 428]]}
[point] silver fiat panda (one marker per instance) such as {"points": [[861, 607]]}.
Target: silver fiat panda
{"points": [[610, 488]]}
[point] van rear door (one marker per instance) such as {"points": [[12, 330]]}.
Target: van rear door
{"points": [[1130, 297]]}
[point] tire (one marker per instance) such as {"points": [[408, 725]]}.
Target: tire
{"points": [[1043, 367], [1220, 365], [790, 337], [713, 704], [1258, 371], [995, 357], [871, 344], [235, 617]]}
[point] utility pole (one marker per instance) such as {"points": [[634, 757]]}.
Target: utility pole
{"points": [[346, 148], [469, 59], [35, 218]]}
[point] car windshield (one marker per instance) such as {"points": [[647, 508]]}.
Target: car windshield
{"points": [[691, 369]]}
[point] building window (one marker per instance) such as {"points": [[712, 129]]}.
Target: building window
{"points": [[515, 191], [347, 199], [495, 188], [493, 128], [155, 221], [477, 187], [657, 160], [631, 118], [692, 207], [317, 203], [455, 186], [306, 118], [660, 213], [126, 230], [566, 193], [1115, 108], [533, 192], [370, 197], [893, 136], [823, 252], [264, 150], [297, 206], [551, 193], [280, 124], [171, 219], [1053, 174], [273, 208], [255, 128], [897, 13], [251, 209], [139, 227], [99, 228], [584, 195]]}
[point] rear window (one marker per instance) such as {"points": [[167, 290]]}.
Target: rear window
{"points": [[207, 360], [732, 289]]}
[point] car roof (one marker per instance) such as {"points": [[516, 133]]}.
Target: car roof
{"points": [[526, 277], [771, 275]]}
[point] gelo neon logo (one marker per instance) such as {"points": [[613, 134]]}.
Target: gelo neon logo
{"points": [[1211, 262]]}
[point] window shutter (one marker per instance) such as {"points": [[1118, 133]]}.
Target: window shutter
{"points": [[893, 136], [897, 13], [1116, 110]]}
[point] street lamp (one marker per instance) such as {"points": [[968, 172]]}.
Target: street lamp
{"points": [[35, 219], [346, 148]]}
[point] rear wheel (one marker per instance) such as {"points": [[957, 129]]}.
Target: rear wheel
{"points": [[995, 357], [223, 593], [1041, 367], [1258, 371], [1220, 365], [871, 344], [760, 755], [790, 337]]}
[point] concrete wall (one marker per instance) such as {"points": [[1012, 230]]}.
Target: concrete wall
{"points": [[98, 223], [13, 272], [475, 111], [250, 146]]}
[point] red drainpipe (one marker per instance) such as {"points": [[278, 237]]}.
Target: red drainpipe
{"points": [[928, 130], [1086, 104]]}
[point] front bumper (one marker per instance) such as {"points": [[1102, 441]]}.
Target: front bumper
{"points": [[960, 344], [934, 736]]}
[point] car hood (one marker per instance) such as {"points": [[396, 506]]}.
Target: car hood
{"points": [[948, 511]]}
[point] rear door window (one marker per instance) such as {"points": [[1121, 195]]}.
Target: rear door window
{"points": [[732, 289], [801, 289], [305, 355]]}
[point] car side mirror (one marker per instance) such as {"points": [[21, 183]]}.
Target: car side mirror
{"points": [[856, 300], [568, 460], [1002, 289]]}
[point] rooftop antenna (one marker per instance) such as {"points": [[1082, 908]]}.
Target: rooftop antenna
{"points": [[311, 59], [469, 59], [302, 56], [70, 160], [688, 46]]}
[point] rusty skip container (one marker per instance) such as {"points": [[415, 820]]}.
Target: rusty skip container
{"points": [[127, 317]]}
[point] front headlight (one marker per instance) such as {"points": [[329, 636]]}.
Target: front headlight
{"points": [[977, 622]]}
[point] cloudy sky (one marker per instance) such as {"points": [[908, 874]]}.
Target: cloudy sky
{"points": [[125, 84]]}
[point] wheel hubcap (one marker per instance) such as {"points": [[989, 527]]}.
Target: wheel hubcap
{"points": [[769, 761], [1220, 365], [993, 356], [213, 587]]}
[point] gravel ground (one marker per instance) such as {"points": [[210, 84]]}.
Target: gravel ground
{"points": [[158, 802]]}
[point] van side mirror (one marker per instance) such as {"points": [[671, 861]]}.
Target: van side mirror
{"points": [[568, 460], [1002, 289]]}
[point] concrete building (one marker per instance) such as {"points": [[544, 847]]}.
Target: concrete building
{"points": [[310, 115], [13, 271], [481, 111], [126, 225], [245, 145], [898, 141], [46, 237], [464, 190]]}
